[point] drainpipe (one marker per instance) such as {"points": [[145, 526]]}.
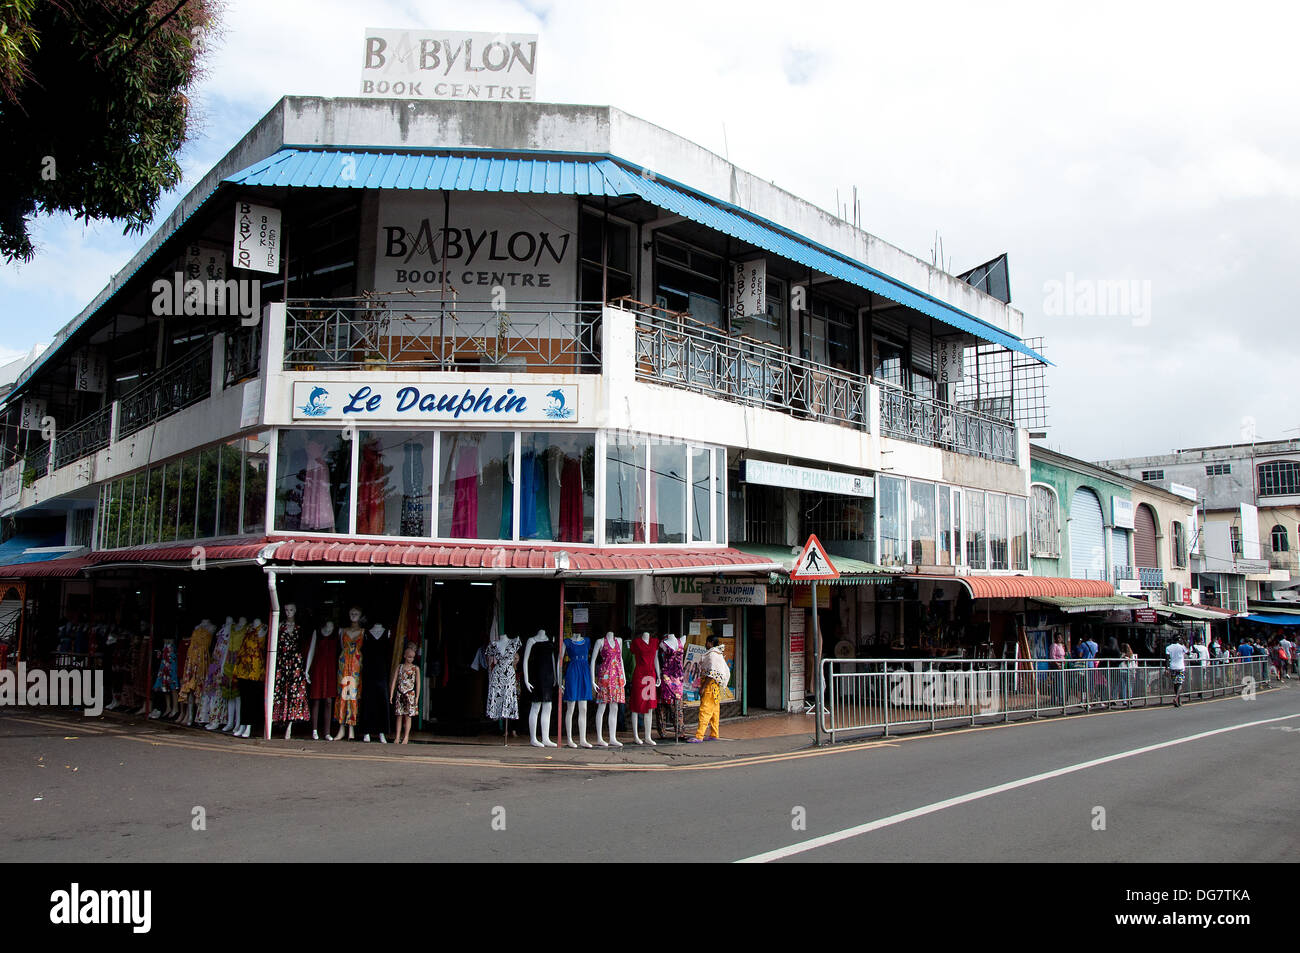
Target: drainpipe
{"points": [[272, 644]]}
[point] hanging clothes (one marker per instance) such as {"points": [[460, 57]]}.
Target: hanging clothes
{"points": [[535, 498], [196, 664], [464, 515], [166, 680], [643, 696], [212, 704], [317, 504], [372, 492], [376, 714], [571, 501], [415, 490], [324, 682]]}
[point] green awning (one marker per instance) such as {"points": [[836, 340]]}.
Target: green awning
{"points": [[1091, 603], [1191, 612], [853, 572]]}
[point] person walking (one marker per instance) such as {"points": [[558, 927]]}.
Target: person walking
{"points": [[1087, 652], [1176, 653], [1108, 660], [1057, 669], [1128, 663], [1286, 649], [715, 673]]}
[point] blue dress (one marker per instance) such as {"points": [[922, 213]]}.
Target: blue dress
{"points": [[577, 671]]}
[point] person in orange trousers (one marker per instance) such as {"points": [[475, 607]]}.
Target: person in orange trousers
{"points": [[716, 673]]}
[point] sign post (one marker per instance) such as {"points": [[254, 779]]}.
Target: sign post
{"points": [[813, 564]]}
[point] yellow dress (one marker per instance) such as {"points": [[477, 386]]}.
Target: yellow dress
{"points": [[196, 664]]}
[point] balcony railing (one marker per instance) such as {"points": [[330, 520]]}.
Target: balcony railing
{"points": [[36, 462], [676, 350], [243, 355], [419, 334], [1150, 578], [174, 388], [1121, 574], [924, 420], [84, 438], [1284, 560]]}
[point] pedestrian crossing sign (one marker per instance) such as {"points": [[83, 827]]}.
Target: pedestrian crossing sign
{"points": [[813, 563]]}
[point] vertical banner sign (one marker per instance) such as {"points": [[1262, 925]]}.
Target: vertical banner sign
{"points": [[31, 414], [950, 360], [204, 262], [92, 372], [436, 64], [257, 238], [748, 288]]}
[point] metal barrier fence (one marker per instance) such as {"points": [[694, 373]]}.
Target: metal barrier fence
{"points": [[866, 695]]}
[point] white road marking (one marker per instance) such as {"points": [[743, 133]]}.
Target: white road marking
{"points": [[848, 832]]}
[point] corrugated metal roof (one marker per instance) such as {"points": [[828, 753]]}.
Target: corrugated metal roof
{"points": [[1090, 603], [1025, 587], [66, 566], [1196, 612]]}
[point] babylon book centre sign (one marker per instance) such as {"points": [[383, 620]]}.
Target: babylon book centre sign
{"points": [[437, 64]]}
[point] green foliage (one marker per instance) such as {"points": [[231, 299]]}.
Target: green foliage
{"points": [[93, 108]]}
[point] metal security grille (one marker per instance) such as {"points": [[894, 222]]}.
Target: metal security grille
{"points": [[1006, 384], [764, 515], [1087, 542]]}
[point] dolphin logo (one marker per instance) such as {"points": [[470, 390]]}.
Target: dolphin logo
{"points": [[315, 406], [558, 410]]}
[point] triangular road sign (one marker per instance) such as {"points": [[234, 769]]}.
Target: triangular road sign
{"points": [[813, 563]]}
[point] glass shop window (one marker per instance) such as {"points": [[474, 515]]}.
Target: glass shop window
{"points": [[557, 496], [395, 483], [687, 279], [668, 492], [476, 489], [893, 520], [313, 475]]}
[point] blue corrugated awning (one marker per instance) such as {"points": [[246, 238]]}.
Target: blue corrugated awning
{"points": [[1269, 618], [299, 168], [17, 550]]}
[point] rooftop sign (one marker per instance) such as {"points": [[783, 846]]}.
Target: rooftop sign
{"points": [[425, 64]]}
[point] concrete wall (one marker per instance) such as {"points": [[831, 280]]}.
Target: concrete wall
{"points": [[1065, 481]]}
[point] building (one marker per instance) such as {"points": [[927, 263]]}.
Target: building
{"points": [[484, 367], [1249, 495]]}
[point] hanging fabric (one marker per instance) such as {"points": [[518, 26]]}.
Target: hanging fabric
{"points": [[414, 489], [464, 518]]}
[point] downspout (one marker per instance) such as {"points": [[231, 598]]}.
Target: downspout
{"points": [[272, 644]]}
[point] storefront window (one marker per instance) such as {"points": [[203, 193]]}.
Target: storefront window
{"points": [[313, 471], [956, 528], [557, 498], [998, 531], [893, 520], [1018, 518], [701, 495], [207, 522], [153, 504], [945, 526], [255, 460], [476, 489], [170, 501], [189, 496], [625, 489], [687, 279], [395, 483], [668, 490], [975, 540], [922, 524], [231, 491]]}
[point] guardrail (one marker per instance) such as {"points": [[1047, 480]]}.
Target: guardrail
{"points": [[419, 334], [882, 695], [83, 438], [924, 420], [243, 355], [173, 388]]}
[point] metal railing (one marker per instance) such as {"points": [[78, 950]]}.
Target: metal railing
{"points": [[36, 462], [83, 438], [1151, 578], [420, 334], [924, 420], [243, 354], [674, 349], [174, 388], [883, 695], [1120, 574]]}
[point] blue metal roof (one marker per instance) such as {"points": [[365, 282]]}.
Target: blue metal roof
{"points": [[14, 550], [296, 168]]}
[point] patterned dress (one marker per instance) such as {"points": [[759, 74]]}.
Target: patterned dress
{"points": [[642, 697], [503, 689], [290, 702], [196, 664], [405, 702], [610, 681], [166, 680], [250, 660], [213, 705], [347, 705], [229, 681], [672, 679]]}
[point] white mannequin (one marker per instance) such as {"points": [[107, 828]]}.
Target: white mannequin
{"points": [[190, 704], [636, 735], [291, 610], [246, 728], [377, 632], [354, 616], [608, 644], [544, 708], [582, 713], [232, 707], [216, 721]]}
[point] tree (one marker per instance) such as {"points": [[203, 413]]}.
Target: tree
{"points": [[93, 108]]}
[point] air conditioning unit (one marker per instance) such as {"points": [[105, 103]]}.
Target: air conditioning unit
{"points": [[1173, 593]]}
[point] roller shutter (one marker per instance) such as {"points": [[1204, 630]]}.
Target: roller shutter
{"points": [[1087, 539]]}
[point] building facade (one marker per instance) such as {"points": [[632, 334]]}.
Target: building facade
{"points": [[481, 368]]}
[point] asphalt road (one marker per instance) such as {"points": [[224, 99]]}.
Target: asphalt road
{"points": [[78, 790]]}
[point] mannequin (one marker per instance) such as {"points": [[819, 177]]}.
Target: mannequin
{"points": [[376, 714], [608, 679], [503, 690], [196, 668], [577, 686], [643, 693], [290, 697], [322, 677], [229, 684], [539, 680], [213, 706], [672, 652], [166, 681], [140, 681], [250, 672], [349, 691]]}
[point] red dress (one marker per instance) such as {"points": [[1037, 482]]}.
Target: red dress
{"points": [[641, 694], [325, 667]]}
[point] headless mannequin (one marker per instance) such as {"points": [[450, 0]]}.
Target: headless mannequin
{"points": [[608, 644], [190, 702], [171, 709], [645, 718], [217, 710], [673, 644], [503, 646], [352, 631], [290, 611], [232, 707], [376, 632], [245, 728], [319, 706], [582, 718], [542, 644]]}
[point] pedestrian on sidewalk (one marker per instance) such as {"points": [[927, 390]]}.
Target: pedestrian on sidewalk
{"points": [[1176, 653], [1128, 663], [714, 673], [1087, 652], [1057, 670], [1286, 648], [1108, 657], [1202, 655]]}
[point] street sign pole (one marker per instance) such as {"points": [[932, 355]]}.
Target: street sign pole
{"points": [[817, 661]]}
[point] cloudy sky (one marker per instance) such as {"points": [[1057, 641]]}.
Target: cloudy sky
{"points": [[1098, 144]]}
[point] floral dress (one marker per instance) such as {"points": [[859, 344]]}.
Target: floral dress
{"points": [[229, 681], [610, 681], [672, 679], [290, 676], [346, 706], [406, 690], [250, 660], [196, 664], [166, 680], [503, 689], [213, 704]]}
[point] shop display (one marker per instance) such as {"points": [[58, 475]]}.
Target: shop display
{"points": [[323, 678], [642, 696], [212, 706], [196, 668], [577, 687], [166, 682], [539, 681], [249, 672], [349, 675], [290, 696], [503, 688], [610, 684], [375, 716], [672, 678]]}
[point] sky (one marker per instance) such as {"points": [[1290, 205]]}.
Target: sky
{"points": [[1139, 163]]}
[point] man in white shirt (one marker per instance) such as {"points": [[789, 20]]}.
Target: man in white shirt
{"points": [[1201, 653], [1176, 652]]}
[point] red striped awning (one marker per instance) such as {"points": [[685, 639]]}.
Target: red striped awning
{"points": [[69, 566], [1025, 587], [246, 548]]}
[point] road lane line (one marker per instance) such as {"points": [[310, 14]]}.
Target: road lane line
{"points": [[849, 832]]}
